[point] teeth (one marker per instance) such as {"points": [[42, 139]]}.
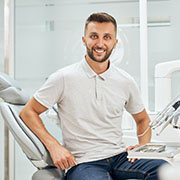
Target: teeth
{"points": [[99, 50]]}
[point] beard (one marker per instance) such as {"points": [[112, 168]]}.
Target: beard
{"points": [[90, 53]]}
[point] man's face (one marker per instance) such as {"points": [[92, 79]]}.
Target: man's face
{"points": [[99, 39]]}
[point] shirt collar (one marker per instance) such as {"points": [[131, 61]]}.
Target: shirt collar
{"points": [[90, 73]]}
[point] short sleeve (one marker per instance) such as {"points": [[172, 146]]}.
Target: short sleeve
{"points": [[134, 103], [51, 91]]}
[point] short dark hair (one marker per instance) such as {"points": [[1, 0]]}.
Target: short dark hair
{"points": [[100, 17]]}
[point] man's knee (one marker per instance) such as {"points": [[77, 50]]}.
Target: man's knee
{"points": [[87, 172]]}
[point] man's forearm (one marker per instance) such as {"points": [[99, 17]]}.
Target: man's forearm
{"points": [[61, 157], [34, 122], [144, 132], [143, 128]]}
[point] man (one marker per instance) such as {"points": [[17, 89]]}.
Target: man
{"points": [[91, 96]]}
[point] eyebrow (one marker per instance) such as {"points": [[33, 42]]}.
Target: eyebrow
{"points": [[109, 34], [93, 33]]}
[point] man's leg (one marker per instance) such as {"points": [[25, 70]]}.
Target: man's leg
{"points": [[97, 170], [146, 169]]}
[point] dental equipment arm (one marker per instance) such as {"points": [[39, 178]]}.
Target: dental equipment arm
{"points": [[169, 115]]}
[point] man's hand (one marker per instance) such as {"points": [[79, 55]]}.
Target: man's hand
{"points": [[61, 157], [129, 148]]}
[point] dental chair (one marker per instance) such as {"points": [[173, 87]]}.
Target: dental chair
{"points": [[13, 99]]}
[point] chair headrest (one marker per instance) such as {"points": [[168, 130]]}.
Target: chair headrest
{"points": [[6, 81], [10, 91]]}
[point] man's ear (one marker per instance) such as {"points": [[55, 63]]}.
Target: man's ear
{"points": [[116, 43], [83, 40]]}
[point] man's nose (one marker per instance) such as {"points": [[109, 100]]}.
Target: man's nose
{"points": [[100, 42]]}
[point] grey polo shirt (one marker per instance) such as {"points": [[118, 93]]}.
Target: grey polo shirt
{"points": [[91, 108]]}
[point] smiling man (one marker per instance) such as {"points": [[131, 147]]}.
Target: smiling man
{"points": [[91, 96]]}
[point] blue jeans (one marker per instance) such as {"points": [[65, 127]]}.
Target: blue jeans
{"points": [[116, 168]]}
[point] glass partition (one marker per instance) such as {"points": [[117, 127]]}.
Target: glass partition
{"points": [[163, 33], [51, 36]]}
